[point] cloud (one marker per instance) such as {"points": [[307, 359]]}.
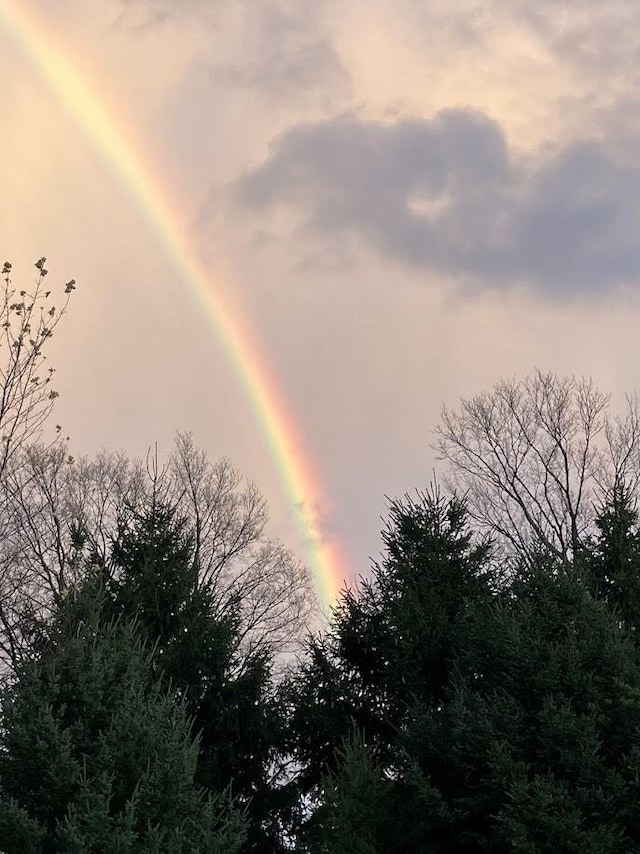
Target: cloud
{"points": [[447, 195], [150, 13], [601, 38], [285, 51], [311, 65], [595, 36], [280, 48]]}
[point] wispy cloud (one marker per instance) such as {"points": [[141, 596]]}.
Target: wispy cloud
{"points": [[155, 12], [287, 52], [281, 48]]}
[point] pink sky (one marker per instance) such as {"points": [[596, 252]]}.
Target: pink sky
{"points": [[407, 203]]}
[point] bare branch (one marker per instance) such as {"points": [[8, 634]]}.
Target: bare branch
{"points": [[533, 457], [60, 513]]}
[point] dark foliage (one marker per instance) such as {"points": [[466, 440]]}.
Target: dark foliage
{"points": [[227, 693], [451, 710], [96, 755], [454, 704]]}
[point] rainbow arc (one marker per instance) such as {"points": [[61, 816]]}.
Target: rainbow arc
{"points": [[108, 136]]}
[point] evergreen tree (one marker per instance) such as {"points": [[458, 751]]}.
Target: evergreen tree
{"points": [[612, 560], [391, 644], [356, 803], [534, 747], [95, 754], [479, 712], [227, 692]]}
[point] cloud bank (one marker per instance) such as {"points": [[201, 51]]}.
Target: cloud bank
{"points": [[447, 195]]}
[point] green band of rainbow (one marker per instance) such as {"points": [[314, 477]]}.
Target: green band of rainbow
{"points": [[294, 466]]}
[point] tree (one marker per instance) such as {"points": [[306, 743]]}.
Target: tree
{"points": [[534, 457], [453, 708], [62, 511], [611, 563], [96, 754], [357, 804], [28, 319], [392, 642], [154, 578], [246, 568], [535, 746]]}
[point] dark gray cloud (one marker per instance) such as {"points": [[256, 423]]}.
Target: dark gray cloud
{"points": [[447, 195]]}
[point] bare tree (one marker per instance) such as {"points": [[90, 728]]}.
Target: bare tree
{"points": [[64, 512], [28, 319], [57, 512], [235, 556], [535, 458]]}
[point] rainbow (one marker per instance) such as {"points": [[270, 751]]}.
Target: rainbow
{"points": [[294, 466]]}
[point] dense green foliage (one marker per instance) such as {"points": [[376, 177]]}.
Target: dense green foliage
{"points": [[227, 692], [454, 708], [97, 755], [456, 703]]}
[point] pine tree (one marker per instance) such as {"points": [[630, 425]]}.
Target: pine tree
{"points": [[491, 712], [227, 692], [392, 643], [534, 747], [96, 755], [355, 805], [612, 560]]}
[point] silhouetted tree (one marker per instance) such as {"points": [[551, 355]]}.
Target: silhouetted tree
{"points": [[28, 320], [63, 511], [95, 754], [533, 458], [612, 561], [154, 578], [453, 708], [392, 642]]}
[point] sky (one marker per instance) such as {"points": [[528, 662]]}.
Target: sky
{"points": [[403, 201]]}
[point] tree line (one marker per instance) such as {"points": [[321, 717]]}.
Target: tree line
{"points": [[477, 690]]}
